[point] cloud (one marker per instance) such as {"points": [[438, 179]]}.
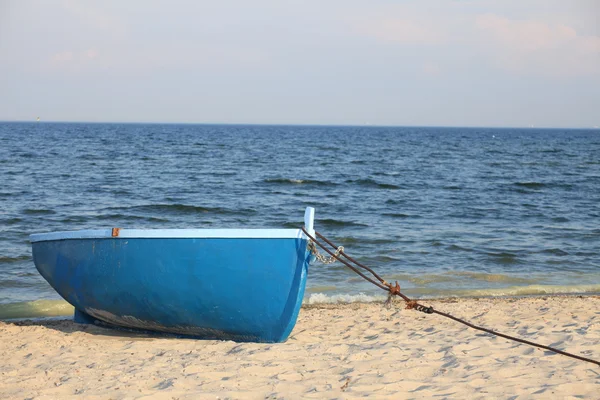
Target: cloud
{"points": [[62, 57], [401, 30], [549, 44], [525, 35], [91, 53], [73, 59], [430, 68], [95, 17], [533, 46]]}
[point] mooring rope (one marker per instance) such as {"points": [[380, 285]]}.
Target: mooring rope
{"points": [[394, 290]]}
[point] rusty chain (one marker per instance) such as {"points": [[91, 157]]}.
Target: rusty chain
{"points": [[324, 259]]}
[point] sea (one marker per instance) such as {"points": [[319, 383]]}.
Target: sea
{"points": [[446, 212]]}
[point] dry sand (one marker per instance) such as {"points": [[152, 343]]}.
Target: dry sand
{"points": [[341, 351]]}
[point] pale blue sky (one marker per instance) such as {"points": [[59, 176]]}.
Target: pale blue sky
{"points": [[452, 63]]}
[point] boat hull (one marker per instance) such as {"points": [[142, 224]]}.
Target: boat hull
{"points": [[243, 289]]}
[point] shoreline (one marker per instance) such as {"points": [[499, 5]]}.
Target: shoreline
{"points": [[335, 351], [48, 308], [458, 299]]}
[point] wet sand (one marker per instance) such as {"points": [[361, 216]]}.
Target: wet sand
{"points": [[335, 351]]}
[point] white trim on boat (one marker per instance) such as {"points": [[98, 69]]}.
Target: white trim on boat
{"points": [[309, 217], [309, 220], [171, 234]]}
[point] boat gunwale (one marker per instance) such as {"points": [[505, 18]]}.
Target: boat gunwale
{"points": [[170, 234]]}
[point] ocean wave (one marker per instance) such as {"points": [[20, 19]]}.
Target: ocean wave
{"points": [[541, 185], [321, 298], [184, 209], [74, 219], [9, 260], [454, 247], [371, 183], [11, 221], [27, 155], [291, 225], [35, 309], [397, 215], [89, 157], [429, 293], [504, 257], [286, 181], [349, 240], [129, 217], [381, 258], [531, 185], [224, 173], [488, 277], [333, 223], [38, 211], [15, 283], [395, 201], [460, 277], [530, 290], [555, 252], [434, 243], [386, 173]]}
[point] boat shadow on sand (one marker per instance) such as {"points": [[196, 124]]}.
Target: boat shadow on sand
{"points": [[68, 326]]}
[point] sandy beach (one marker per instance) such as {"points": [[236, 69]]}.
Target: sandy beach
{"points": [[335, 351]]}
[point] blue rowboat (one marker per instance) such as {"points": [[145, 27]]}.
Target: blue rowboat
{"points": [[235, 284]]}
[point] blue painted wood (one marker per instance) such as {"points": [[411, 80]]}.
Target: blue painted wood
{"points": [[82, 318], [243, 289]]}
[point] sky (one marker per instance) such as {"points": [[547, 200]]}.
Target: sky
{"points": [[341, 62]]}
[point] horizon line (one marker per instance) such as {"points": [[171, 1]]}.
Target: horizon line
{"points": [[365, 125]]}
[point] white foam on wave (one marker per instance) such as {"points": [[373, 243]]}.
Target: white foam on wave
{"points": [[416, 293], [35, 309], [321, 298], [530, 290]]}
